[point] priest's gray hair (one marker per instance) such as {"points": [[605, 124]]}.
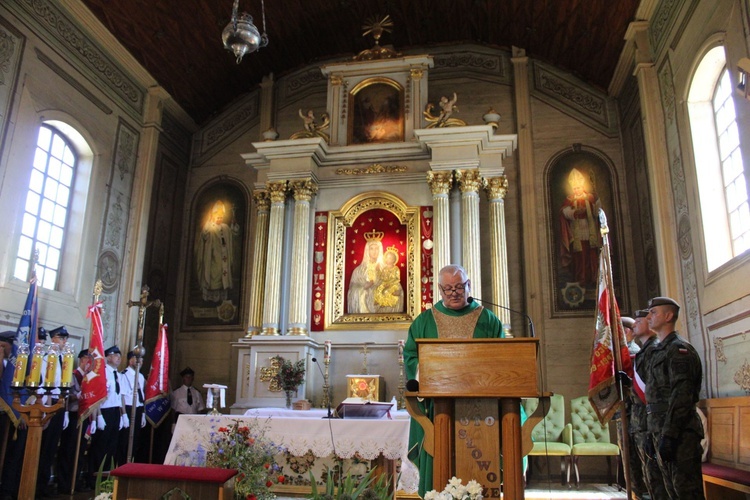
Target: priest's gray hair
{"points": [[452, 270]]}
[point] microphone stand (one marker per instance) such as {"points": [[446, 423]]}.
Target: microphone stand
{"points": [[528, 318]]}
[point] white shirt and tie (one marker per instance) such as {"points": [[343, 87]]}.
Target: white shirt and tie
{"points": [[187, 400]]}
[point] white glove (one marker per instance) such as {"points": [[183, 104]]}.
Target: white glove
{"points": [[92, 427], [143, 421], [66, 420], [124, 421], [100, 423]]}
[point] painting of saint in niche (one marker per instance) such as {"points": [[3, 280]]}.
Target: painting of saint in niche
{"points": [[376, 113], [580, 184], [217, 256], [375, 268]]}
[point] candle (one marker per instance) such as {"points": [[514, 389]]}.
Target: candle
{"points": [[400, 350], [66, 379], [35, 374], [51, 373], [328, 349], [22, 360]]}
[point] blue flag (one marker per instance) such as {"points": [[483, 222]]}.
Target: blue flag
{"points": [[26, 333]]}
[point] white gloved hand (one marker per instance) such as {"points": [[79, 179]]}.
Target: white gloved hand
{"points": [[124, 421], [92, 427], [143, 421], [66, 420], [100, 423]]}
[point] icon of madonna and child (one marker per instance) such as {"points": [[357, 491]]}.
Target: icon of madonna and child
{"points": [[375, 284]]}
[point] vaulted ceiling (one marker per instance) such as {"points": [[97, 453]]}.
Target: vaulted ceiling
{"points": [[179, 41]]}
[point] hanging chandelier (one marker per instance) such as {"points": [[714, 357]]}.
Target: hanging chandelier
{"points": [[241, 36]]}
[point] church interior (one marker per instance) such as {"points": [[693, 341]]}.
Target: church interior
{"points": [[249, 195]]}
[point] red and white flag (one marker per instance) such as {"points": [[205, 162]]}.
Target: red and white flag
{"points": [[609, 336], [157, 387], [94, 385]]}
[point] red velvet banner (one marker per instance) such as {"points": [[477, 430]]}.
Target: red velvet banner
{"points": [[320, 233], [426, 281]]}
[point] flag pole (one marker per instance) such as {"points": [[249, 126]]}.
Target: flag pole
{"points": [[615, 321], [98, 287]]}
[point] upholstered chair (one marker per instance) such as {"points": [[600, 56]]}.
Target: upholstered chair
{"points": [[552, 437], [590, 438]]}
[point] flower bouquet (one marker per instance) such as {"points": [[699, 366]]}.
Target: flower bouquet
{"points": [[455, 490], [289, 376], [246, 449]]}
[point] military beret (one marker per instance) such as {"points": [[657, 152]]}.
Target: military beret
{"points": [[41, 333], [112, 350], [60, 331], [187, 371], [8, 336], [662, 301], [627, 321], [641, 313], [83, 353]]}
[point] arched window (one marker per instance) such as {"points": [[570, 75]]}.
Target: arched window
{"points": [[46, 209], [718, 161]]}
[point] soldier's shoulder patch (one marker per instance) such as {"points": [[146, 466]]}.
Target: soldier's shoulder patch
{"points": [[683, 350]]}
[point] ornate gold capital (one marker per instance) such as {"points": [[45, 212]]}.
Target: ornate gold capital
{"points": [[303, 190], [497, 188], [336, 80], [416, 73], [440, 182], [262, 202], [469, 181], [277, 191]]}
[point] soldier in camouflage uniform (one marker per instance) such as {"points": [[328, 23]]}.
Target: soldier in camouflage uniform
{"points": [[672, 391], [638, 423], [635, 471]]}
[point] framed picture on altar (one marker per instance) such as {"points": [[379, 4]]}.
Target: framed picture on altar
{"points": [[215, 257], [377, 112], [580, 182], [373, 263]]}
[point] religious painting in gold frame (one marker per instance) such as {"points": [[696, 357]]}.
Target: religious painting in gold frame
{"points": [[376, 112], [381, 221]]}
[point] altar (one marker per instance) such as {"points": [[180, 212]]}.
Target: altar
{"points": [[311, 442]]}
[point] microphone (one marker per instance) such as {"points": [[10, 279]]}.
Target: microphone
{"points": [[528, 318], [412, 385], [315, 360]]}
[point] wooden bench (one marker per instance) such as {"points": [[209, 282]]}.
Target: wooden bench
{"points": [[726, 475], [143, 481]]}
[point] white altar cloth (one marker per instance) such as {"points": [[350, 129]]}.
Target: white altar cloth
{"points": [[301, 431]]}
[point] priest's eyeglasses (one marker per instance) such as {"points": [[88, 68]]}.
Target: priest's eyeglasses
{"points": [[458, 289]]}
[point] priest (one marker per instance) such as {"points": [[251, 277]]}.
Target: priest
{"points": [[455, 316]]}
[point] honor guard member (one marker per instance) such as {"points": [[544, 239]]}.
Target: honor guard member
{"points": [[637, 482], [6, 348], [71, 433], [672, 391], [112, 415], [187, 399], [53, 431], [638, 422], [128, 386]]}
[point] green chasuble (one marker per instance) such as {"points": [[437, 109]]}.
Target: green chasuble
{"points": [[424, 327]]}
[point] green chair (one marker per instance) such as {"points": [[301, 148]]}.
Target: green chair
{"points": [[552, 437], [590, 438]]}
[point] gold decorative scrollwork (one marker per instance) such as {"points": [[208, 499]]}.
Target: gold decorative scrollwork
{"points": [[375, 168], [719, 346], [742, 377], [269, 373]]}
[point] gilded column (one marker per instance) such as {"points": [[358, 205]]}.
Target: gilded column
{"points": [[272, 289], [303, 191], [497, 188], [470, 182], [260, 247], [440, 183], [654, 134]]}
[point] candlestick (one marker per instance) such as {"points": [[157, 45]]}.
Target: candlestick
{"points": [[327, 349], [22, 360], [35, 374], [68, 355]]}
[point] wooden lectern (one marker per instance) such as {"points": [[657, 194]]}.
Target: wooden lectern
{"points": [[467, 378]]}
